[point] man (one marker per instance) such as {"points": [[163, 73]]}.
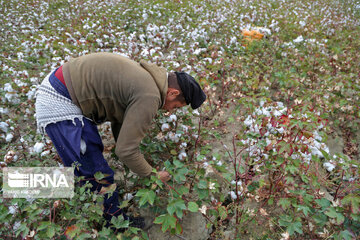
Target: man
{"points": [[100, 87]]}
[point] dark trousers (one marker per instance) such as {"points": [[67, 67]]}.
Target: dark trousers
{"points": [[67, 136]]}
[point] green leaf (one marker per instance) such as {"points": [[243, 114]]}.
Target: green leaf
{"points": [[308, 199], [323, 202], [331, 212], [168, 165], [325, 154], [146, 196], [295, 227], [320, 218], [304, 209], [203, 193], [119, 222], [193, 207], [354, 201], [99, 175], [177, 206], [23, 229], [292, 169], [222, 212], [253, 186], [345, 235], [284, 203], [84, 236], [180, 175], [178, 229], [167, 221], [43, 225], [178, 164], [50, 232], [285, 220], [124, 204], [203, 184]]}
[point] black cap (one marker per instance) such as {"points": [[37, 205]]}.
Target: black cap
{"points": [[191, 90]]}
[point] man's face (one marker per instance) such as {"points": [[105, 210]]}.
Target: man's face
{"points": [[171, 101]]}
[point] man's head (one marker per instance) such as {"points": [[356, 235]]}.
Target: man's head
{"points": [[183, 90]]}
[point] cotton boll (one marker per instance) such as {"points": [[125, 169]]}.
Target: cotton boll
{"points": [[329, 166], [47, 152], [9, 137], [183, 145], [280, 104], [4, 110], [173, 137], [152, 51], [197, 51], [211, 186], [298, 39], [38, 147], [31, 93], [172, 118], [233, 195], [13, 208], [128, 196], [277, 113], [205, 164], [316, 152], [8, 87], [281, 130], [263, 30], [249, 121], [196, 112], [182, 155], [10, 156], [245, 142], [177, 137], [165, 127], [4, 127], [302, 23], [12, 97], [16, 225]]}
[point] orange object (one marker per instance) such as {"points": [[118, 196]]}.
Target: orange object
{"points": [[251, 35]]}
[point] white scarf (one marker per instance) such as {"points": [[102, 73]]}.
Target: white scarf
{"points": [[52, 107]]}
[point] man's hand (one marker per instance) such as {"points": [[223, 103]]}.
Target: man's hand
{"points": [[164, 176]]}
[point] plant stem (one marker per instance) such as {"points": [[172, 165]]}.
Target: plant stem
{"points": [[337, 190]]}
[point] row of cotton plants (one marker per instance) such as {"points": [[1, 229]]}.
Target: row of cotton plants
{"points": [[273, 121]]}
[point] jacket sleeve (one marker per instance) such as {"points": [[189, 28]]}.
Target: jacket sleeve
{"points": [[138, 117]]}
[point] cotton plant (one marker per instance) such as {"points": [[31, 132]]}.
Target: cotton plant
{"points": [[275, 119]]}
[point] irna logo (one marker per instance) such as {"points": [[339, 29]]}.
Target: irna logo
{"points": [[38, 182], [21, 180]]}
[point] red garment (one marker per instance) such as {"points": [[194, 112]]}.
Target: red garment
{"points": [[59, 75]]}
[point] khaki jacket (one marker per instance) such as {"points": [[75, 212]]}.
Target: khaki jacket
{"points": [[110, 87]]}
